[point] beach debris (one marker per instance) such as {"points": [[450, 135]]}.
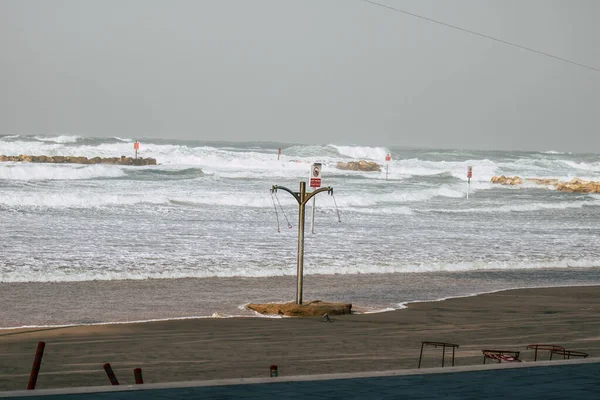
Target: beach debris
{"points": [[501, 355], [274, 372], [314, 308], [137, 374], [327, 319], [362, 165], [35, 368], [111, 375]]}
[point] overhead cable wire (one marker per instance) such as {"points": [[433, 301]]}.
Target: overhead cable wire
{"points": [[543, 53]]}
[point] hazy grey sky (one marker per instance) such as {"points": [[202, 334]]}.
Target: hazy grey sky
{"points": [[309, 71]]}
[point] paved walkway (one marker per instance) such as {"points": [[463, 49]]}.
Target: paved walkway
{"points": [[575, 379]]}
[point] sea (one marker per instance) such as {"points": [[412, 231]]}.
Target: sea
{"points": [[202, 234]]}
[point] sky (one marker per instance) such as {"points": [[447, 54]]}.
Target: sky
{"points": [[305, 71]]}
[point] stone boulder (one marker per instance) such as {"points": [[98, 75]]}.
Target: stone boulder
{"points": [[362, 165], [315, 308], [507, 180], [577, 185]]}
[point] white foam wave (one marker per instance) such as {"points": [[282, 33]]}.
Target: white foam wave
{"points": [[58, 139], [367, 153], [553, 152], [354, 199], [9, 137], [402, 210], [518, 207], [593, 167], [149, 272], [483, 170], [37, 172], [78, 200]]}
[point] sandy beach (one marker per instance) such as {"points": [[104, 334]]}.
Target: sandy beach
{"points": [[199, 349]]}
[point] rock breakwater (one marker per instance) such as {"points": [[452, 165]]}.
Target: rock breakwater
{"points": [[79, 160], [575, 185]]}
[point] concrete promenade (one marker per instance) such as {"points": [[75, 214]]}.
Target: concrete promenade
{"points": [[558, 379]]}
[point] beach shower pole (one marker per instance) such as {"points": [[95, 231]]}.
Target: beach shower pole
{"points": [[312, 219], [302, 198]]}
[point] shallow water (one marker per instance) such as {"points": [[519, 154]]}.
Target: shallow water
{"points": [[90, 302]]}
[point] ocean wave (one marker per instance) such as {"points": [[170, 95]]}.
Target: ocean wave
{"points": [[143, 272], [81, 200], [167, 174], [59, 139], [516, 207], [38, 172], [361, 152]]}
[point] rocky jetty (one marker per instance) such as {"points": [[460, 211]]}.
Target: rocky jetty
{"points": [[507, 180], [315, 308], [362, 165], [79, 160], [575, 185]]}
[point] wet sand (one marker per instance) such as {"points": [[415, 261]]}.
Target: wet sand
{"points": [[201, 349]]}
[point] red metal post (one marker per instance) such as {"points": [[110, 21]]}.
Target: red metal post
{"points": [[37, 362], [137, 373], [111, 375]]}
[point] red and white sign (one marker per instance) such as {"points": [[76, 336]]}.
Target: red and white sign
{"points": [[315, 175], [469, 171], [136, 145], [388, 158]]}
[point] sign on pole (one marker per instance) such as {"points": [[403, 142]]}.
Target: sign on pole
{"points": [[315, 175], [136, 147]]}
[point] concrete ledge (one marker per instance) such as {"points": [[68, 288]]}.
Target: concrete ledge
{"points": [[299, 378]]}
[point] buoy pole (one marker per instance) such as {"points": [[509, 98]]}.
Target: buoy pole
{"points": [[469, 175], [388, 157]]}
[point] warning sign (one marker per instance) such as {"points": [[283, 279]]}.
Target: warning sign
{"points": [[315, 175]]}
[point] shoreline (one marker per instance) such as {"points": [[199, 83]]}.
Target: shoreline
{"points": [[219, 348], [401, 306]]}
